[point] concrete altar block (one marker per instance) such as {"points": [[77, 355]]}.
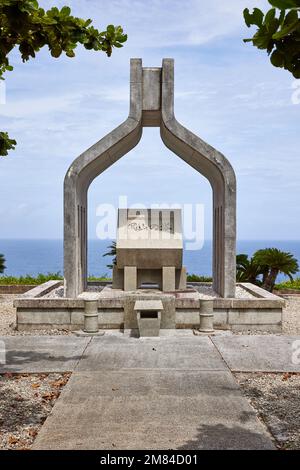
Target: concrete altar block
{"points": [[148, 316], [168, 317], [149, 240]]}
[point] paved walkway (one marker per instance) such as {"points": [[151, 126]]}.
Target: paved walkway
{"points": [[261, 353], [41, 353], [241, 353], [151, 393]]}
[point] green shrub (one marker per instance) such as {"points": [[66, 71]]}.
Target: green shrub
{"points": [[105, 277], [40, 279], [196, 278], [30, 280], [295, 284]]}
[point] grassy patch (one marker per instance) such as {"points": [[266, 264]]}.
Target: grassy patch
{"points": [[196, 278], [102, 278], [40, 279]]}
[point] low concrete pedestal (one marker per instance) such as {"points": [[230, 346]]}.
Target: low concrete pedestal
{"points": [[261, 311]]}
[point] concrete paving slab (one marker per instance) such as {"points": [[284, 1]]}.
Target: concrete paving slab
{"points": [[185, 353], [24, 354], [270, 353], [157, 409]]}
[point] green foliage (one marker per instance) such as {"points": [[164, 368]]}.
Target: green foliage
{"points": [[30, 280], [105, 277], [265, 265], [284, 4], [24, 24], [2, 263], [6, 143], [40, 279], [294, 284], [247, 270], [277, 262], [282, 261], [278, 32], [112, 252], [196, 278]]}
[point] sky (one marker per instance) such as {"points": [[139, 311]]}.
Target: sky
{"points": [[227, 92]]}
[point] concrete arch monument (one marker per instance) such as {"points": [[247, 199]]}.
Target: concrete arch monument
{"points": [[151, 105]]}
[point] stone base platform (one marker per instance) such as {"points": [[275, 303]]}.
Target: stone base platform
{"points": [[256, 310]]}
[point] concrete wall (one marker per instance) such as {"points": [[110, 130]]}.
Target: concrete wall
{"points": [[266, 320], [15, 289]]}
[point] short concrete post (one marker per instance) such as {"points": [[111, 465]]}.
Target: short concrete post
{"points": [[206, 316], [91, 316]]}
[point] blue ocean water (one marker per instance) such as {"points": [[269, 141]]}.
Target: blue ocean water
{"points": [[43, 256]]}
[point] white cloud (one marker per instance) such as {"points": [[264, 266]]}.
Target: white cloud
{"points": [[163, 23], [29, 107], [226, 92], [35, 106]]}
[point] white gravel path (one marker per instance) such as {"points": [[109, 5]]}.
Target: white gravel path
{"points": [[291, 316]]}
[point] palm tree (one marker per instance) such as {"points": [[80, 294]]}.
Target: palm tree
{"points": [[277, 262], [2, 265], [244, 269], [112, 252], [247, 270]]}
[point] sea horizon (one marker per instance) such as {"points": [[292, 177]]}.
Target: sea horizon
{"points": [[45, 255]]}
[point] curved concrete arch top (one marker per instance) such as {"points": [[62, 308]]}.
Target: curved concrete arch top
{"points": [[151, 105]]}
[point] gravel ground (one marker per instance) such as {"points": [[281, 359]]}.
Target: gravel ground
{"points": [[207, 291], [291, 316], [25, 402], [276, 398]]}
